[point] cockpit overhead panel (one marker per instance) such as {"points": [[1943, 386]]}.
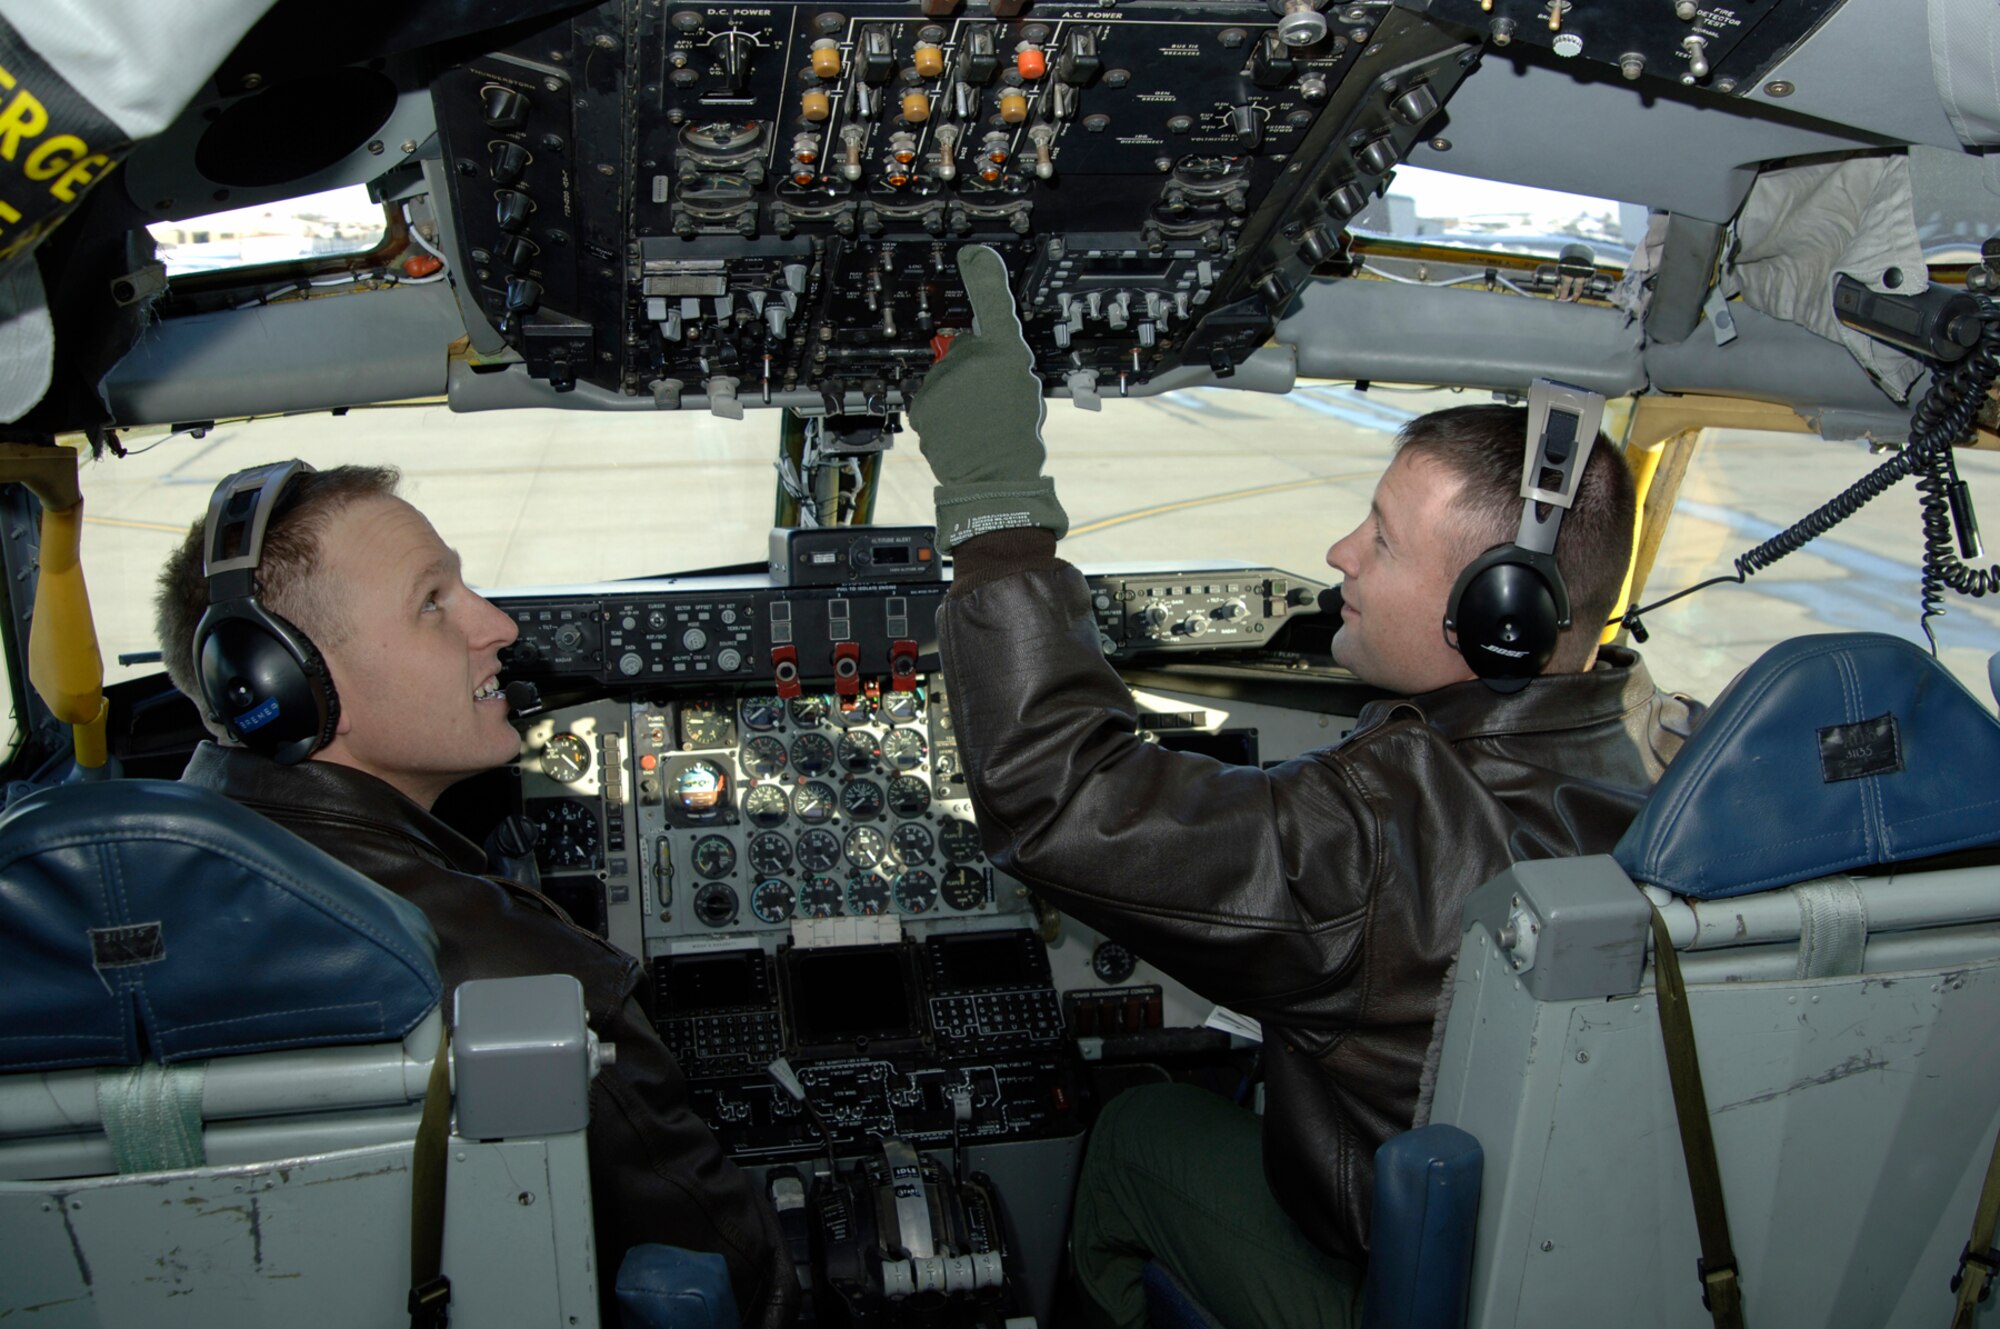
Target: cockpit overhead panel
{"points": [[745, 203]]}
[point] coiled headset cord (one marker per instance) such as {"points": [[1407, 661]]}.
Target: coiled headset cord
{"points": [[1946, 415]]}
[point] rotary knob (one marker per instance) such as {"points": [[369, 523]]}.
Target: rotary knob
{"points": [[1231, 610], [1154, 617], [568, 637], [1194, 625], [502, 107], [630, 663], [694, 639]]}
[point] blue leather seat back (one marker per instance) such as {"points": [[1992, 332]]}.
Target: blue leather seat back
{"points": [[147, 919], [1829, 753]]}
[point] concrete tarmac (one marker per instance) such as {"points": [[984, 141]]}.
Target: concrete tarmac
{"points": [[541, 497]]}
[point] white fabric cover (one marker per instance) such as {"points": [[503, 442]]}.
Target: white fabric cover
{"points": [[1802, 226], [1965, 57], [27, 340], [139, 62]]}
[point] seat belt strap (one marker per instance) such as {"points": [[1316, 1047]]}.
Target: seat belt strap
{"points": [[430, 1290], [1978, 1262], [1721, 1290]]}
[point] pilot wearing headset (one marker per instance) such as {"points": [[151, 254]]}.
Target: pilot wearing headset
{"points": [[326, 632], [1321, 896]]}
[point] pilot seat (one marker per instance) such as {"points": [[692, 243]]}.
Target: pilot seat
{"points": [[1822, 858], [216, 1049]]}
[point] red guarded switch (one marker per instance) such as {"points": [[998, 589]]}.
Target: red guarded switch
{"points": [[847, 668], [785, 668]]}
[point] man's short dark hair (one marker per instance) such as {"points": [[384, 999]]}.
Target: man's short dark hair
{"points": [[284, 580], [1484, 447]]}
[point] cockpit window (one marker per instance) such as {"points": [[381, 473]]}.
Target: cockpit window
{"points": [[1457, 211], [315, 226]]}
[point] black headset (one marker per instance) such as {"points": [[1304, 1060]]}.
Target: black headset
{"points": [[261, 678], [1510, 604]]}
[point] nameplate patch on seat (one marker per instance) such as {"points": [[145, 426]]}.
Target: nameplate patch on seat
{"points": [[1866, 747], [135, 943]]}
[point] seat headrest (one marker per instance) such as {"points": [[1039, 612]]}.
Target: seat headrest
{"points": [[144, 918], [1829, 753]]}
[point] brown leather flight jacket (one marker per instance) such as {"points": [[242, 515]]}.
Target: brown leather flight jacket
{"points": [[656, 1171], [1321, 896]]}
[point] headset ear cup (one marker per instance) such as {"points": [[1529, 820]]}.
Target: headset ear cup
{"points": [[1505, 616], [314, 665], [265, 681]]}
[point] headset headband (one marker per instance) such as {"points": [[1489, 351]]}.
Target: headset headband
{"points": [[1562, 428], [233, 537]]}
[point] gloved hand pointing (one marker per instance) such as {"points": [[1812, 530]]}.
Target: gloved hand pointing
{"points": [[978, 418]]}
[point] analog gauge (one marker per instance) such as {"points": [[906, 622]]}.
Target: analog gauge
{"points": [[858, 751], [865, 846], [714, 857], [763, 758], [913, 844], [566, 759], [813, 802], [770, 856], [762, 713], [808, 712], [904, 749], [819, 851], [1112, 963], [862, 799], [772, 901], [820, 897], [570, 837], [812, 754], [909, 796], [847, 712], [867, 894], [965, 888], [901, 707], [705, 724], [960, 840], [766, 805], [701, 786], [916, 892], [715, 905]]}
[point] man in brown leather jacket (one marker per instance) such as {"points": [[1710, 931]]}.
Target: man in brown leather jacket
{"points": [[1321, 896], [413, 654]]}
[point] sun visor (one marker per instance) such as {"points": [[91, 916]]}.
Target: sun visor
{"points": [[1803, 226], [84, 80]]}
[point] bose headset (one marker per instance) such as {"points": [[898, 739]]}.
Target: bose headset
{"points": [[1510, 604], [261, 678]]}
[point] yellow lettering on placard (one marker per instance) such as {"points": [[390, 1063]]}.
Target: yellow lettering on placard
{"points": [[9, 213], [24, 117], [71, 150], [82, 173], [6, 79]]}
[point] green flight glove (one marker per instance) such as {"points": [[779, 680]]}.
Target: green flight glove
{"points": [[978, 418]]}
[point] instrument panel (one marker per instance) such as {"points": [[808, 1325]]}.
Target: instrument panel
{"points": [[764, 810], [763, 761]]}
